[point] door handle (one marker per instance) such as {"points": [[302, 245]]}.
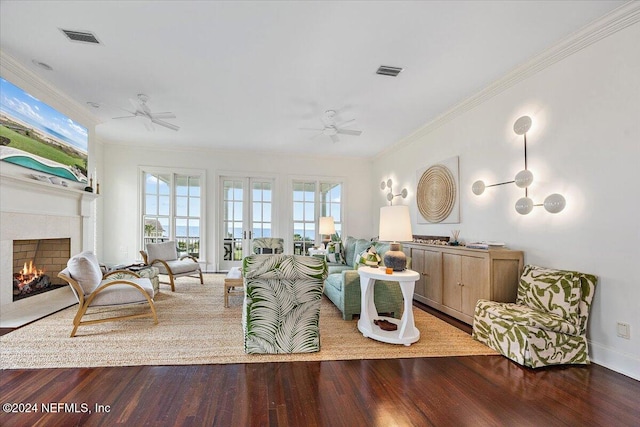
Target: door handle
{"points": [[244, 234]]}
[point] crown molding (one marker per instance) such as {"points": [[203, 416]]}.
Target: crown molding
{"points": [[16, 73], [616, 20]]}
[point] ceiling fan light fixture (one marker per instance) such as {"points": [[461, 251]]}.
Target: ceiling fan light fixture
{"points": [[386, 70]]}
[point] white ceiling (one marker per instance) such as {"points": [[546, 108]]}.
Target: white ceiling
{"points": [[247, 75]]}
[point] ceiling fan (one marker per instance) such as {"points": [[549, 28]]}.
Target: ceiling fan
{"points": [[141, 109], [333, 129]]}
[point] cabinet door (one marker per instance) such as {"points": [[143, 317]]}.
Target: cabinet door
{"points": [[452, 281], [433, 275], [475, 282], [417, 264]]}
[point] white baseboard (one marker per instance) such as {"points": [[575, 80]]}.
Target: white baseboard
{"points": [[626, 364]]}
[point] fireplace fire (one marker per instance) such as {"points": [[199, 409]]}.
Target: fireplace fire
{"points": [[36, 264], [29, 279]]}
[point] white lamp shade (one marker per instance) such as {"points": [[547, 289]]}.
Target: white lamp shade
{"points": [[395, 224], [326, 226]]}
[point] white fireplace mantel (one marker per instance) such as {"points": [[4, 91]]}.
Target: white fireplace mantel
{"points": [[32, 209]]}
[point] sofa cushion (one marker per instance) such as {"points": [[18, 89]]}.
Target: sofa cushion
{"points": [[338, 268], [369, 257], [334, 253], [165, 251], [85, 269], [334, 280], [361, 245], [552, 291]]}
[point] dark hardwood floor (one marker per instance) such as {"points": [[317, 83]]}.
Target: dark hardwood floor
{"points": [[447, 391]]}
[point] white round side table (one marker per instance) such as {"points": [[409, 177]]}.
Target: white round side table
{"points": [[407, 333]]}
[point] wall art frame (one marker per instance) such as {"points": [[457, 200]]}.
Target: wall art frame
{"points": [[438, 192]]}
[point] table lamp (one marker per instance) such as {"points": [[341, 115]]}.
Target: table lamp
{"points": [[395, 226], [326, 228]]}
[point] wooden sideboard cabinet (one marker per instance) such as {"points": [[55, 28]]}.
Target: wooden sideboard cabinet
{"points": [[453, 278]]}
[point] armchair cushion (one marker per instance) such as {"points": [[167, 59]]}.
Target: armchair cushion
{"points": [[550, 291], [179, 266], [165, 251], [84, 268], [525, 316], [123, 294]]}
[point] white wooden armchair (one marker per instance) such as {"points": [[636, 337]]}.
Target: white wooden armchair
{"points": [[165, 257], [91, 289]]}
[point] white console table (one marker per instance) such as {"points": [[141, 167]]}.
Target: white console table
{"points": [[407, 333]]}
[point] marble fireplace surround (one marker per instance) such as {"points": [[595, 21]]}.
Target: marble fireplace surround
{"points": [[31, 209]]}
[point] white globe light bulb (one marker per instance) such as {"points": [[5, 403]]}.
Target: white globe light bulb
{"points": [[524, 205], [554, 203], [524, 178], [478, 187]]}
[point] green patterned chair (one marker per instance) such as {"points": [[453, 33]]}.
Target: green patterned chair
{"points": [[548, 323], [281, 309]]}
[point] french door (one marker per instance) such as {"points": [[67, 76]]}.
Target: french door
{"points": [[247, 208]]}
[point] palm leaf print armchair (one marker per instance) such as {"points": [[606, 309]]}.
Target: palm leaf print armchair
{"points": [[548, 323], [281, 310]]}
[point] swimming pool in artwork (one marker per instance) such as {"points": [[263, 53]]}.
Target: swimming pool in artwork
{"points": [[31, 163]]}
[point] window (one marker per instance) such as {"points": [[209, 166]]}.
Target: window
{"points": [[172, 209], [312, 200]]}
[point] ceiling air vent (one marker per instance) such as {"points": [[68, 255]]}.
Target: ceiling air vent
{"points": [[388, 71], [80, 36]]}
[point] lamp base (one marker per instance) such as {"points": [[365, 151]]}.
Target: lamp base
{"points": [[395, 258]]}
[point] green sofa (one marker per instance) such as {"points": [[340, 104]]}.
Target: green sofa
{"points": [[342, 285]]}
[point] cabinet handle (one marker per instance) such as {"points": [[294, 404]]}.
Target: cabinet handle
{"points": [[459, 284], [425, 274]]}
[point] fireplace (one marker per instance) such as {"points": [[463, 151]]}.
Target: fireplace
{"points": [[36, 264], [62, 214]]}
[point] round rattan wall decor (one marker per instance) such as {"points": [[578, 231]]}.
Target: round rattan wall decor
{"points": [[436, 193]]}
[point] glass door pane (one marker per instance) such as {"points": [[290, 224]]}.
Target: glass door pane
{"points": [[247, 214], [232, 222]]}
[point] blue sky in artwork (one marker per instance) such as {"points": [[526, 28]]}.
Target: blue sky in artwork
{"points": [[19, 105]]}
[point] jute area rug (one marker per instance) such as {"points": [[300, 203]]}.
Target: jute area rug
{"points": [[195, 328]]}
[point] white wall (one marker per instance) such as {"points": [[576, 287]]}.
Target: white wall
{"points": [[584, 144], [120, 200]]}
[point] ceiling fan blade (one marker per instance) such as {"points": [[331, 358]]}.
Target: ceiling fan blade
{"points": [[165, 115], [344, 123], [335, 138], [350, 132], [124, 117], [315, 129], [149, 126], [165, 124]]}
